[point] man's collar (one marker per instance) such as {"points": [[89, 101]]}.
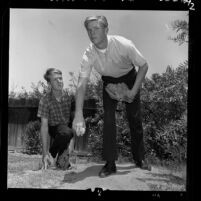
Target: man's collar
{"points": [[53, 96]]}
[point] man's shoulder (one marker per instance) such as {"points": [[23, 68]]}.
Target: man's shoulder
{"points": [[89, 53], [90, 48], [45, 98], [121, 40]]}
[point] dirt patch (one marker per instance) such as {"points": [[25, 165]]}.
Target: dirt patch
{"points": [[24, 172]]}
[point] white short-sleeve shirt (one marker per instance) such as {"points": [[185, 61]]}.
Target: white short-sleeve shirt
{"points": [[117, 60]]}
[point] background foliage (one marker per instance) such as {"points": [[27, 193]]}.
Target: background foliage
{"points": [[32, 138]]}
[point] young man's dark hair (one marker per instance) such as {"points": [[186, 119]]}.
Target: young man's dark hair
{"points": [[49, 71]]}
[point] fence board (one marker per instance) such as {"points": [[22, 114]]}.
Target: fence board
{"points": [[15, 134]]}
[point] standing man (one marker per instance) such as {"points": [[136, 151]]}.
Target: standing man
{"points": [[54, 111], [115, 58]]}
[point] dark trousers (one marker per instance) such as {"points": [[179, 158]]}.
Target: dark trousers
{"points": [[61, 135], [133, 113]]}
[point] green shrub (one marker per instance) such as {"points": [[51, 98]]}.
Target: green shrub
{"points": [[95, 129], [32, 138], [168, 143]]}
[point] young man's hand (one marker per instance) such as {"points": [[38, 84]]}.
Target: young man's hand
{"points": [[129, 96], [79, 125], [47, 161]]}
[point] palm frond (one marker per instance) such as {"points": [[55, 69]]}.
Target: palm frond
{"points": [[181, 27]]}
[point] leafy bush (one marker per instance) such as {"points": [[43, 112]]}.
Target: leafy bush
{"points": [[32, 138], [95, 129], [96, 139], [171, 141], [164, 106], [164, 97]]}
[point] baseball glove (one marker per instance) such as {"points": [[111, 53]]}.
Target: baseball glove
{"points": [[118, 92]]}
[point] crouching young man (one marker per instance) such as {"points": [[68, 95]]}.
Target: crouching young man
{"points": [[54, 111]]}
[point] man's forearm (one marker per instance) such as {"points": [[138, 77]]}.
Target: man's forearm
{"points": [[79, 101], [44, 137], [140, 78]]}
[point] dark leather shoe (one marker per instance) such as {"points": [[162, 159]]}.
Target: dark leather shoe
{"points": [[143, 165], [107, 169]]}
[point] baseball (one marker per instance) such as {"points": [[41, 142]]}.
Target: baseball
{"points": [[80, 129]]}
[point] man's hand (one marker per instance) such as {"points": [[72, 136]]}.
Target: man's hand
{"points": [[129, 97], [47, 161], [79, 125], [78, 122]]}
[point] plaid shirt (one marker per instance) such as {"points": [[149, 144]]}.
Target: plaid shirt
{"points": [[56, 112]]}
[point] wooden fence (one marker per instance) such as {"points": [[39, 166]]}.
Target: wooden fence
{"points": [[15, 135], [20, 116]]}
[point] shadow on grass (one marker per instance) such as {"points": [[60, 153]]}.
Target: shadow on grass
{"points": [[92, 171]]}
